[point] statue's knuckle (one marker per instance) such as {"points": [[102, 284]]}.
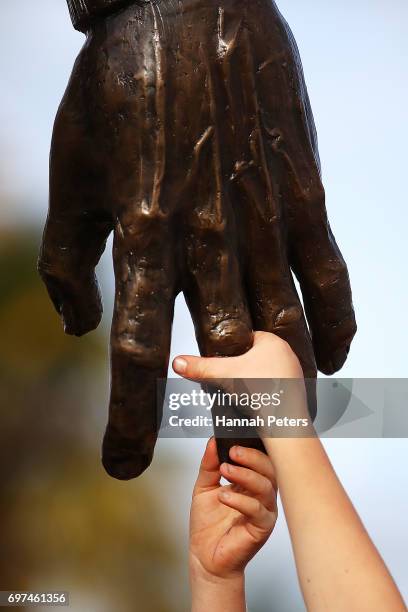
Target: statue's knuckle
{"points": [[229, 337], [136, 223], [333, 277], [140, 353], [289, 316]]}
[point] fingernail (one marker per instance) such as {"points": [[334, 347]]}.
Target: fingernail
{"points": [[227, 467], [239, 451], [225, 495], [180, 365]]}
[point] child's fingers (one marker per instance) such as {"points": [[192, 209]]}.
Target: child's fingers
{"points": [[252, 482], [254, 460], [209, 473], [250, 507]]}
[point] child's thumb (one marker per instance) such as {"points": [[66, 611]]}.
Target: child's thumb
{"points": [[196, 368]]}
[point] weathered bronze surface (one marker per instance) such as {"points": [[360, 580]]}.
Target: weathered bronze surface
{"points": [[186, 129]]}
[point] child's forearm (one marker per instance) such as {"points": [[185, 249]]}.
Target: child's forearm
{"points": [[214, 594], [338, 566]]}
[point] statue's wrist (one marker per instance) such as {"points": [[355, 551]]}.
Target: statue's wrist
{"points": [[85, 12]]}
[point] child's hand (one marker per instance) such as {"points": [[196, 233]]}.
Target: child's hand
{"points": [[229, 524], [270, 357]]}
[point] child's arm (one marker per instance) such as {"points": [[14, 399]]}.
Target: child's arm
{"points": [[339, 568], [217, 595]]}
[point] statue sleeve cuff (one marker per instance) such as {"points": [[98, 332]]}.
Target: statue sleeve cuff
{"points": [[84, 12]]}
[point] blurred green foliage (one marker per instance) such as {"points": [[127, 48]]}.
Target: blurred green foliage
{"points": [[64, 524]]}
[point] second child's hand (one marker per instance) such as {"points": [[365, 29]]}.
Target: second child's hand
{"points": [[228, 525]]}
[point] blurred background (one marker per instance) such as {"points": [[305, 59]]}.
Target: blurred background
{"points": [[64, 524]]}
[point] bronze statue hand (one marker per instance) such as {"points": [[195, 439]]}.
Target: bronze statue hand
{"points": [[186, 129]]}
